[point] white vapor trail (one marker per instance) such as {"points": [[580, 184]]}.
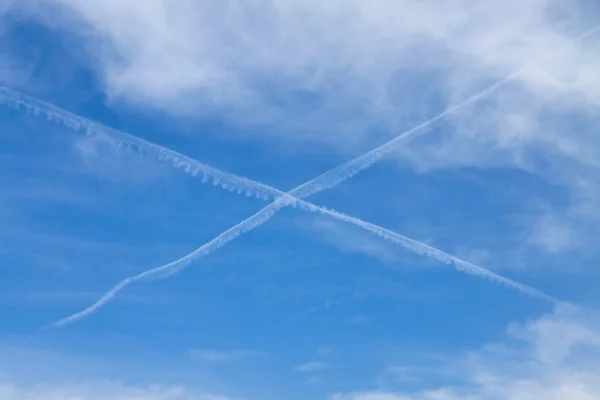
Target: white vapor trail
{"points": [[265, 214], [233, 182], [123, 140]]}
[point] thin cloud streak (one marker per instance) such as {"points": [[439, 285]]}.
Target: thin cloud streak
{"points": [[341, 173], [324, 181]]}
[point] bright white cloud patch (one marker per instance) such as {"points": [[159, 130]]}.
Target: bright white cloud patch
{"points": [[555, 357], [375, 63]]}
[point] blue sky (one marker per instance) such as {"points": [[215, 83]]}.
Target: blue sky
{"points": [[305, 305]]}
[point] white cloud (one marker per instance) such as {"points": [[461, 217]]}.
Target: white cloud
{"points": [[352, 62], [552, 234], [555, 357], [554, 338]]}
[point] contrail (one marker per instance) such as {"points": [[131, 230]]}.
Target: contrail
{"points": [[126, 141], [240, 184], [123, 140], [233, 182], [248, 224], [264, 215]]}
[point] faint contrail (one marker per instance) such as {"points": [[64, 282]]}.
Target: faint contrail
{"points": [[324, 181]]}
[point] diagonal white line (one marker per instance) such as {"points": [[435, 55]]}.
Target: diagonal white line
{"points": [[123, 140], [324, 181]]}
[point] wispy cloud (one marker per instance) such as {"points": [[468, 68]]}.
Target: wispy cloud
{"points": [[552, 234], [552, 357], [178, 57]]}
